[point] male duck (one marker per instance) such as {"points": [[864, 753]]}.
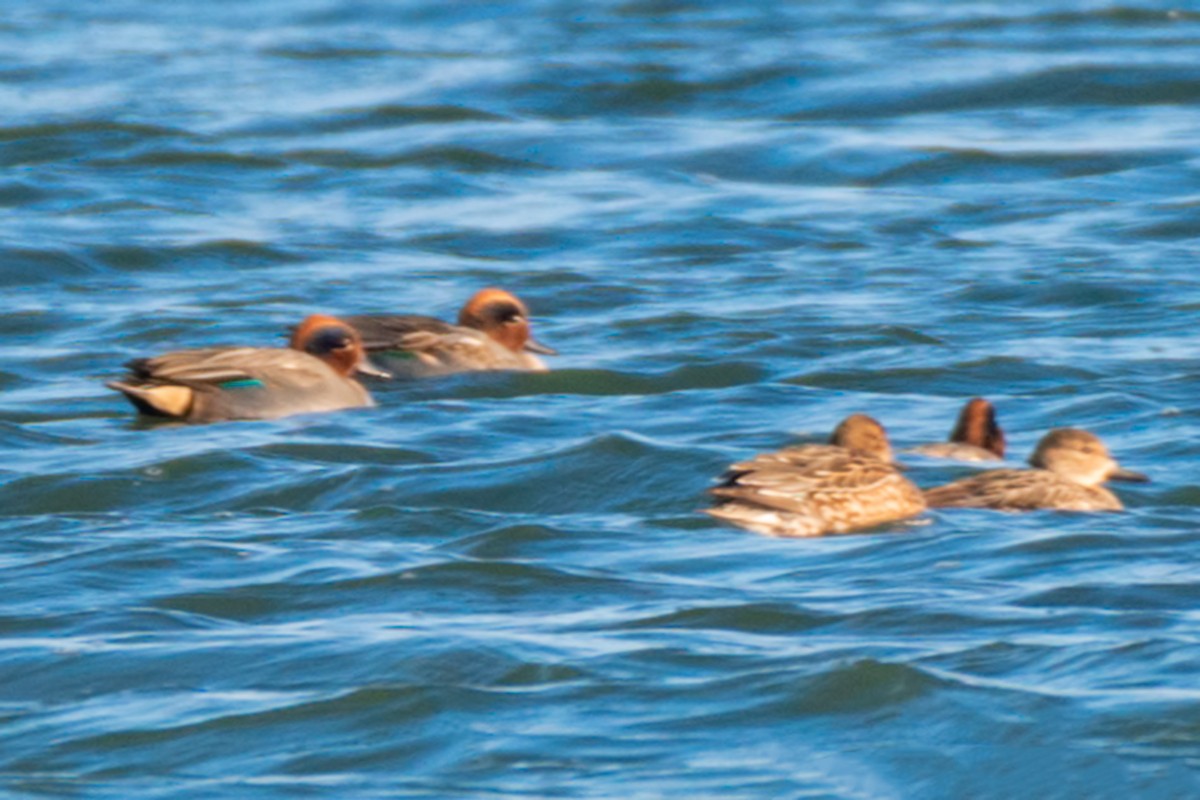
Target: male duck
{"points": [[492, 334], [227, 383], [976, 436]]}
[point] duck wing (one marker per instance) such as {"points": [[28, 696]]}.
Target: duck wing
{"points": [[208, 366], [1021, 490], [404, 332], [955, 451], [230, 367]]}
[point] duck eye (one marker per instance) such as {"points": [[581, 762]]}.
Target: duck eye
{"points": [[328, 340], [502, 314]]}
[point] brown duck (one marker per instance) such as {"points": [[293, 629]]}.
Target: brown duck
{"points": [[1069, 466], [492, 333], [819, 489], [227, 383]]}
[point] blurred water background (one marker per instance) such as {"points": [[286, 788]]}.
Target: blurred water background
{"points": [[738, 223]]}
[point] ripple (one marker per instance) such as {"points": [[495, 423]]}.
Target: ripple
{"points": [[956, 377], [387, 115], [10, 133], [995, 168], [1111, 597], [507, 542], [463, 159], [209, 253], [764, 618], [738, 224], [199, 159], [866, 685], [21, 193], [1063, 86], [603, 383], [24, 266]]}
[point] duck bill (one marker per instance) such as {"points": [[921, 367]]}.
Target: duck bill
{"points": [[534, 346], [366, 367], [1122, 474]]}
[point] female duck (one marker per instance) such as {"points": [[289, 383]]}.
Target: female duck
{"points": [[226, 383], [976, 436], [1069, 466], [816, 489], [492, 334]]}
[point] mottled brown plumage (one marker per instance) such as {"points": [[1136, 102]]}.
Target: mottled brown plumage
{"points": [[1068, 467], [813, 490], [492, 334], [977, 436]]}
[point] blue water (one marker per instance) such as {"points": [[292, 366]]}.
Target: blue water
{"points": [[738, 224]]}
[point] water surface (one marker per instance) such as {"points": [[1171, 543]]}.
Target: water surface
{"points": [[738, 225]]}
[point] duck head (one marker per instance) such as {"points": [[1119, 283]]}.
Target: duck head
{"points": [[1080, 456], [977, 426], [504, 318], [336, 343], [863, 434]]}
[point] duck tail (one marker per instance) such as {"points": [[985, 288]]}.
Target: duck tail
{"points": [[158, 401]]}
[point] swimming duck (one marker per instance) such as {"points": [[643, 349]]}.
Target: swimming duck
{"points": [[816, 489], [1068, 467], [226, 383], [976, 436], [492, 334]]}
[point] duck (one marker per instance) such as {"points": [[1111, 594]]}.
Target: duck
{"points": [[492, 333], [1069, 466], [976, 436], [847, 485], [314, 373]]}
